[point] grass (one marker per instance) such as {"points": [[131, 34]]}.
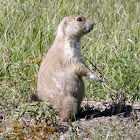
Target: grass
{"points": [[28, 28]]}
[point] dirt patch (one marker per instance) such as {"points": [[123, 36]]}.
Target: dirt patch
{"points": [[99, 120], [96, 120]]}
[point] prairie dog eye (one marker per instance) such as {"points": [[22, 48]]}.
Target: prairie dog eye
{"points": [[79, 19]]}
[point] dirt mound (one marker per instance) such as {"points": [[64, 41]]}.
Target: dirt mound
{"points": [[99, 120]]}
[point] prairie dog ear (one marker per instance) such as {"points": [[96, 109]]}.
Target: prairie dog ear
{"points": [[65, 23]]}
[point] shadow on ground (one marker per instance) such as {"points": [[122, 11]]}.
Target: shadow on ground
{"points": [[89, 112]]}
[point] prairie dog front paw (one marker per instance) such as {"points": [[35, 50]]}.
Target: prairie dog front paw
{"points": [[95, 78]]}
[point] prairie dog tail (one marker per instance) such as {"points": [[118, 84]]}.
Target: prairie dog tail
{"points": [[34, 97]]}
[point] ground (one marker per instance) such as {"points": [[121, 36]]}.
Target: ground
{"points": [[96, 120], [102, 125]]}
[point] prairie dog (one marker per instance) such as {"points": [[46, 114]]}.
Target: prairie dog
{"points": [[60, 75]]}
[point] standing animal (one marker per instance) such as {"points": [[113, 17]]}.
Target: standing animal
{"points": [[60, 75]]}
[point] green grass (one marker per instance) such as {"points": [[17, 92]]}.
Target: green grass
{"points": [[28, 28]]}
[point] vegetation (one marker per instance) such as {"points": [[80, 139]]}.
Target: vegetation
{"points": [[28, 28]]}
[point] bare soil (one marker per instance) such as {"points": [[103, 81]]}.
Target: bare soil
{"points": [[100, 120], [96, 120]]}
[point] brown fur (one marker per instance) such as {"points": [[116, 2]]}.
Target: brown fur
{"points": [[60, 75]]}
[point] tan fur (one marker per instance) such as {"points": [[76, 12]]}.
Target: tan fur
{"points": [[60, 75]]}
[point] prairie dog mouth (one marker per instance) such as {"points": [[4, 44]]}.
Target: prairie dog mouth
{"points": [[88, 29]]}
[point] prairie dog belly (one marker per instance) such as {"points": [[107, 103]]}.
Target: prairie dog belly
{"points": [[63, 89], [61, 83]]}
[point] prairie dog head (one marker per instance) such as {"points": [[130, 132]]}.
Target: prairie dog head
{"points": [[74, 27]]}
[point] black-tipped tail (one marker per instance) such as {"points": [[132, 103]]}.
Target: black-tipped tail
{"points": [[34, 97]]}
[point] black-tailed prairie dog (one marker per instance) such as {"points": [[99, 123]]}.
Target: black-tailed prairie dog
{"points": [[60, 75]]}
